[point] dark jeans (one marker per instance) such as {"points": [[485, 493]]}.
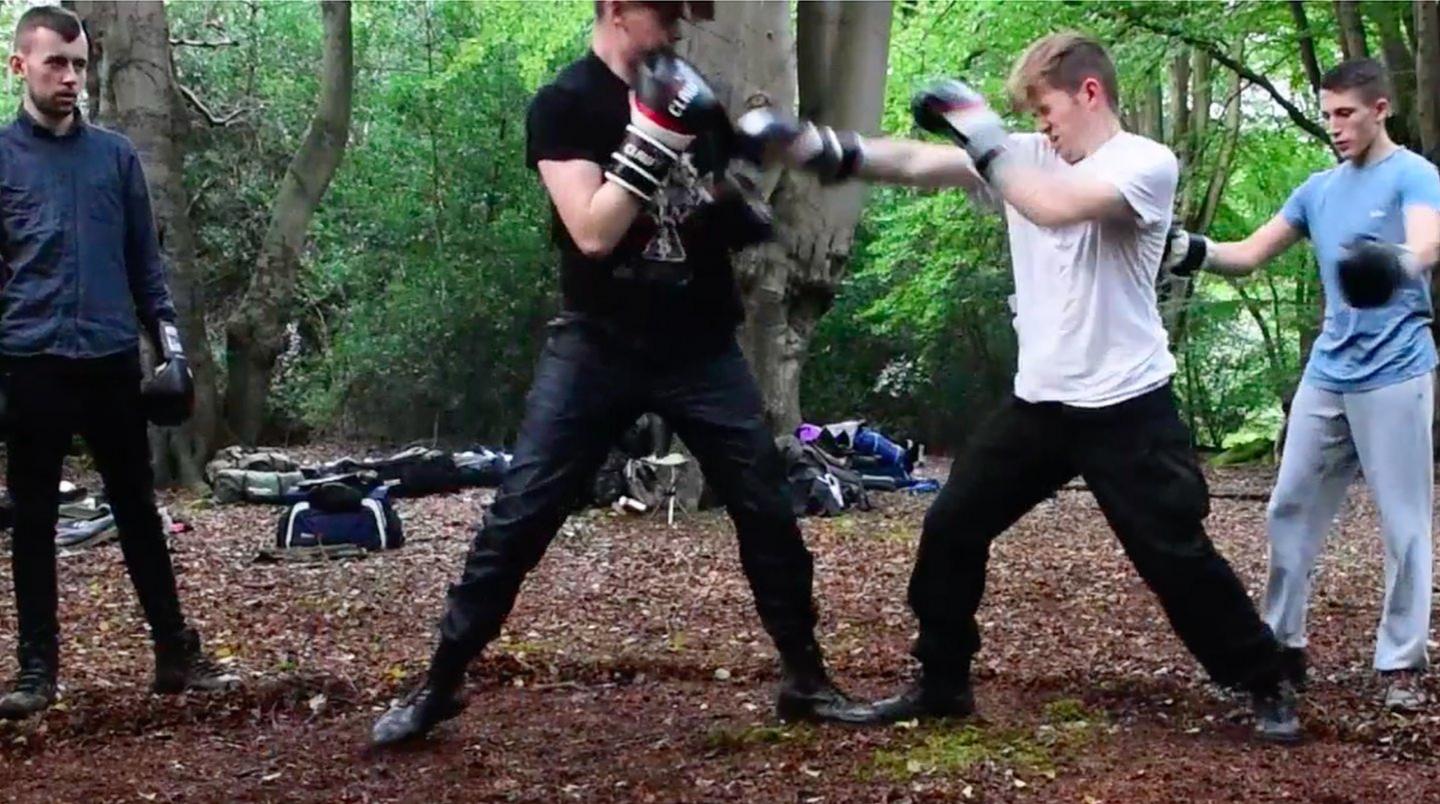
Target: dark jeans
{"points": [[50, 400], [588, 388], [1136, 458]]}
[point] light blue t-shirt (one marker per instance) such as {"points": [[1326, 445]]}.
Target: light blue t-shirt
{"points": [[1364, 349]]}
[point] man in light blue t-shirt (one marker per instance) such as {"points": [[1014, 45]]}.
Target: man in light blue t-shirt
{"points": [[1365, 401]]}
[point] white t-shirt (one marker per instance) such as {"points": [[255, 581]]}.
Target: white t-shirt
{"points": [[1085, 309]]}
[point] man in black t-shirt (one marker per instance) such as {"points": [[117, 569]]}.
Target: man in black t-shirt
{"points": [[650, 310]]}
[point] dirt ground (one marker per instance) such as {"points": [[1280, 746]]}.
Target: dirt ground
{"points": [[635, 669]]}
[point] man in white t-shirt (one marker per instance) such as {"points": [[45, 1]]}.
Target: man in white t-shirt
{"points": [[1088, 207]]}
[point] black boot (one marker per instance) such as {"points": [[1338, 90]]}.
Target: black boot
{"points": [[181, 664], [426, 706], [1295, 667], [806, 692], [35, 688], [929, 696], [1276, 717]]}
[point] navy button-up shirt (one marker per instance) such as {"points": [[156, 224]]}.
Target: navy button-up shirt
{"points": [[78, 252]]}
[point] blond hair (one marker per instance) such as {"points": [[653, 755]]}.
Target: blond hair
{"points": [[1062, 61]]}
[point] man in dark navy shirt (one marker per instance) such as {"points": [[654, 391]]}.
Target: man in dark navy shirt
{"points": [[82, 274]]}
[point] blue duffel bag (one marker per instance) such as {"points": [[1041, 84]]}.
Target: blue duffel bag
{"points": [[326, 519]]}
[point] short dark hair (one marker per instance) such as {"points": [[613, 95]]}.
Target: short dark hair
{"points": [[1366, 75], [62, 21], [689, 9]]}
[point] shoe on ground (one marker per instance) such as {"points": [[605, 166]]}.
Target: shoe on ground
{"points": [[415, 715], [1403, 691]]}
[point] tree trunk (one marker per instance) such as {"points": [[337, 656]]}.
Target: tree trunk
{"points": [[1221, 173], [137, 83], [820, 23], [1351, 29], [1307, 45], [839, 79], [96, 17], [1200, 98], [1180, 107], [1427, 76], [1400, 62], [255, 333], [1198, 136], [1152, 109]]}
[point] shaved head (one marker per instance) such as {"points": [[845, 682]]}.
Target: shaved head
{"points": [[54, 18]]}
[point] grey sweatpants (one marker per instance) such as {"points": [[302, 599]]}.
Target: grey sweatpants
{"points": [[1385, 432]]}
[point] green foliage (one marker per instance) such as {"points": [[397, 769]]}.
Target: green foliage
{"points": [[424, 297]]}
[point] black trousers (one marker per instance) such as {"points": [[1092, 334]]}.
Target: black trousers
{"points": [[587, 389], [1136, 458], [50, 400]]}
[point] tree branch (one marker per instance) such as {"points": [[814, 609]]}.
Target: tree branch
{"points": [[199, 106], [182, 42], [199, 192]]}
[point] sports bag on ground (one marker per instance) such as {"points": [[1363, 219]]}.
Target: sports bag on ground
{"points": [[327, 519]]}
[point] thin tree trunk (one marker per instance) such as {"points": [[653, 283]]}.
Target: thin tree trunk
{"points": [[1351, 29], [1152, 105], [1400, 62], [1199, 131], [1307, 45], [1180, 106], [1175, 301], [256, 331], [1221, 174], [1427, 76]]}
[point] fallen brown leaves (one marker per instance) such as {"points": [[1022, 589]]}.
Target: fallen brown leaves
{"points": [[634, 669]]}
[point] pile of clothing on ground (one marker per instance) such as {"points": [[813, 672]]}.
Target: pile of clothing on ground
{"points": [[84, 520], [834, 467], [831, 468], [343, 508], [240, 474]]}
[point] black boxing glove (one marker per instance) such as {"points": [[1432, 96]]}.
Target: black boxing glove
{"points": [[1370, 270], [168, 397], [670, 105], [764, 135]]}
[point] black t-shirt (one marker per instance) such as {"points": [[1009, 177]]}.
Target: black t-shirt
{"points": [[670, 277]]}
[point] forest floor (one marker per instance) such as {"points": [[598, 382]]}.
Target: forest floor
{"points": [[634, 669]]}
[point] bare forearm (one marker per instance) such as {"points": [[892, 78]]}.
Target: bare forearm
{"points": [[1232, 259], [917, 164], [1043, 199], [1050, 199], [596, 212], [1422, 235], [604, 222]]}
